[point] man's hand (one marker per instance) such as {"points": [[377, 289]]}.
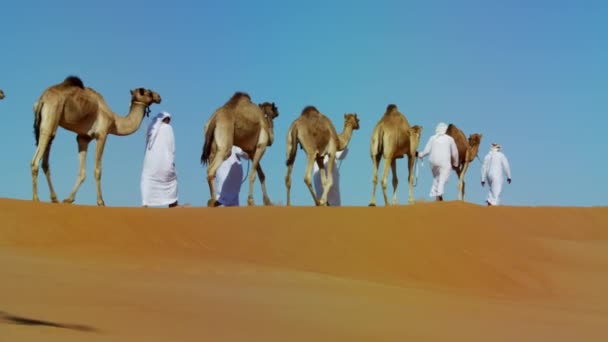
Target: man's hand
{"points": [[509, 180], [483, 183]]}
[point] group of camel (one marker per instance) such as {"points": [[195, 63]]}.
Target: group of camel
{"points": [[239, 122]]}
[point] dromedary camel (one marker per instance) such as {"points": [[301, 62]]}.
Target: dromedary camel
{"points": [[83, 111], [239, 122], [392, 139], [1, 94], [467, 151], [318, 137]]}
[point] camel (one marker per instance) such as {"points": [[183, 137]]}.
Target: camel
{"points": [[239, 122], [318, 137], [467, 151], [1, 94], [81, 110], [392, 139]]}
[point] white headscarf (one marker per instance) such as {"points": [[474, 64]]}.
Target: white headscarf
{"points": [[153, 128], [441, 128]]}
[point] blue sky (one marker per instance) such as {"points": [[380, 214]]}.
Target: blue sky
{"points": [[531, 75]]}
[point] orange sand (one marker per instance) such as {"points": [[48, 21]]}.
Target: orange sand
{"points": [[426, 272]]}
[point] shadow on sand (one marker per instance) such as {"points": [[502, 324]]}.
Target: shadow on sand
{"points": [[8, 318]]}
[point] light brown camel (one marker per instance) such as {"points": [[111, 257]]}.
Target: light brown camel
{"points": [[392, 139], [1, 94], [83, 111], [467, 151], [239, 122], [317, 136]]}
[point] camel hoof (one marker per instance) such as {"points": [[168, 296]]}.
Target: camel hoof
{"points": [[250, 202], [267, 201], [101, 204], [68, 201], [371, 205], [212, 203]]}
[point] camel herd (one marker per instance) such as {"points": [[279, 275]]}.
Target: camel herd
{"points": [[239, 122]]}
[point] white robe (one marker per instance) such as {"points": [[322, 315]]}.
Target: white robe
{"points": [[333, 195], [443, 154], [159, 177], [229, 177], [495, 165]]}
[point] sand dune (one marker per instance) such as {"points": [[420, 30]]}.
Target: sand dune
{"points": [[426, 272]]}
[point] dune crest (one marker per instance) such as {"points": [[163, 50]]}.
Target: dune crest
{"points": [[313, 273]]}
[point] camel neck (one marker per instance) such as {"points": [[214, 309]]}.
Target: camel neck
{"points": [[125, 125], [344, 137]]}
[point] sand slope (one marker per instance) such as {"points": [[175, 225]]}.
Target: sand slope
{"points": [[426, 272]]}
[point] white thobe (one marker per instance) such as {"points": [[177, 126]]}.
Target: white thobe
{"points": [[333, 195], [443, 154], [229, 177], [159, 177], [495, 165]]}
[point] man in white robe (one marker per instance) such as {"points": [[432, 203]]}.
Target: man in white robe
{"points": [[229, 178], [333, 196], [443, 154], [495, 165], [159, 177]]}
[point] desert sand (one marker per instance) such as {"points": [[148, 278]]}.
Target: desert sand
{"points": [[448, 271]]}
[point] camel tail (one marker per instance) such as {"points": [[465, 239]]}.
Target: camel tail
{"points": [[209, 136], [377, 145], [37, 118], [292, 144]]}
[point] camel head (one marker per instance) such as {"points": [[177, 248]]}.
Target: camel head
{"points": [[145, 96], [474, 142], [415, 134], [351, 119], [1, 94], [270, 110]]}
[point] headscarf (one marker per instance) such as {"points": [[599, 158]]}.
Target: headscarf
{"points": [[495, 147], [153, 128], [441, 128]]}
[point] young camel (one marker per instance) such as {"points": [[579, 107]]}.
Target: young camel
{"points": [[318, 137], [467, 151], [83, 111], [392, 139], [239, 122]]}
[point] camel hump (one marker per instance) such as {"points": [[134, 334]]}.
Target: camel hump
{"points": [[452, 129], [73, 81], [237, 97], [309, 110], [391, 109]]}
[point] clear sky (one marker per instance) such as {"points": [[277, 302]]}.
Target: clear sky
{"points": [[530, 75]]}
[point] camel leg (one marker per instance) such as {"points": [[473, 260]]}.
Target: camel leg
{"points": [[47, 169], [262, 178], [288, 181], [411, 161], [395, 180], [329, 179], [259, 152], [461, 181], [214, 164], [387, 163], [83, 145], [310, 159], [99, 146], [375, 164], [43, 142]]}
